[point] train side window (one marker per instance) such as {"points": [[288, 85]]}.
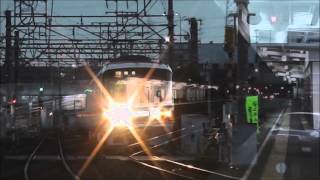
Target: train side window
{"points": [[158, 94], [133, 73], [126, 73], [118, 74]]}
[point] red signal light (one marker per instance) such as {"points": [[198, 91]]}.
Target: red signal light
{"points": [[13, 101], [273, 19]]}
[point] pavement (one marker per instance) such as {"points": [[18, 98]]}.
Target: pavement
{"points": [[276, 160]]}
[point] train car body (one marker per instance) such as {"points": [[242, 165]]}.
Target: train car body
{"points": [[140, 93], [132, 94]]}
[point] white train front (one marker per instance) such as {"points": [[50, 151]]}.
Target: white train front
{"points": [[138, 94]]}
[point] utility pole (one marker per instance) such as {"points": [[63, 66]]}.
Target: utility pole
{"points": [[8, 74], [193, 42], [8, 53], [14, 79], [243, 40], [237, 39], [16, 61], [170, 33]]}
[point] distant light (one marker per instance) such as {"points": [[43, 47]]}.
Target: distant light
{"points": [[273, 19], [283, 58], [167, 39], [50, 114], [286, 67], [256, 70], [282, 87], [249, 88], [41, 89], [87, 91], [237, 86], [13, 101], [74, 65], [280, 74], [228, 91]]}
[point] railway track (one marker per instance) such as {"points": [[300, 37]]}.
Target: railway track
{"points": [[48, 146], [173, 168], [170, 168]]}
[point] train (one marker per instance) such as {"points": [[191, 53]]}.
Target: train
{"points": [[139, 92], [133, 92]]}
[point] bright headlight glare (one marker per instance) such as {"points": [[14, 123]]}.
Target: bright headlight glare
{"points": [[167, 113], [118, 115], [155, 113]]}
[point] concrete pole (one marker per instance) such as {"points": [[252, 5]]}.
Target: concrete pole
{"points": [[243, 40]]}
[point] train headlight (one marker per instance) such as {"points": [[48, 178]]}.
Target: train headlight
{"points": [[119, 115], [158, 113], [167, 113], [155, 113]]}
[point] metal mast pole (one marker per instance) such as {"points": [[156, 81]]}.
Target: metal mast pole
{"points": [[170, 32]]}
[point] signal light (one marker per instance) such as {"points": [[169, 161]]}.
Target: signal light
{"points": [[13, 101], [273, 19]]}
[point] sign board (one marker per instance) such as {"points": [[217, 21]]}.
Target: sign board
{"points": [[252, 109]]}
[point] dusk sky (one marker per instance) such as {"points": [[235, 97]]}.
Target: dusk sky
{"points": [[212, 15]]}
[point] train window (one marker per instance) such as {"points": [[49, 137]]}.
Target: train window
{"points": [[133, 73], [158, 93], [126, 73], [118, 74]]}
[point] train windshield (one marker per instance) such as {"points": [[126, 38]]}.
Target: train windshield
{"points": [[125, 73], [145, 85]]}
